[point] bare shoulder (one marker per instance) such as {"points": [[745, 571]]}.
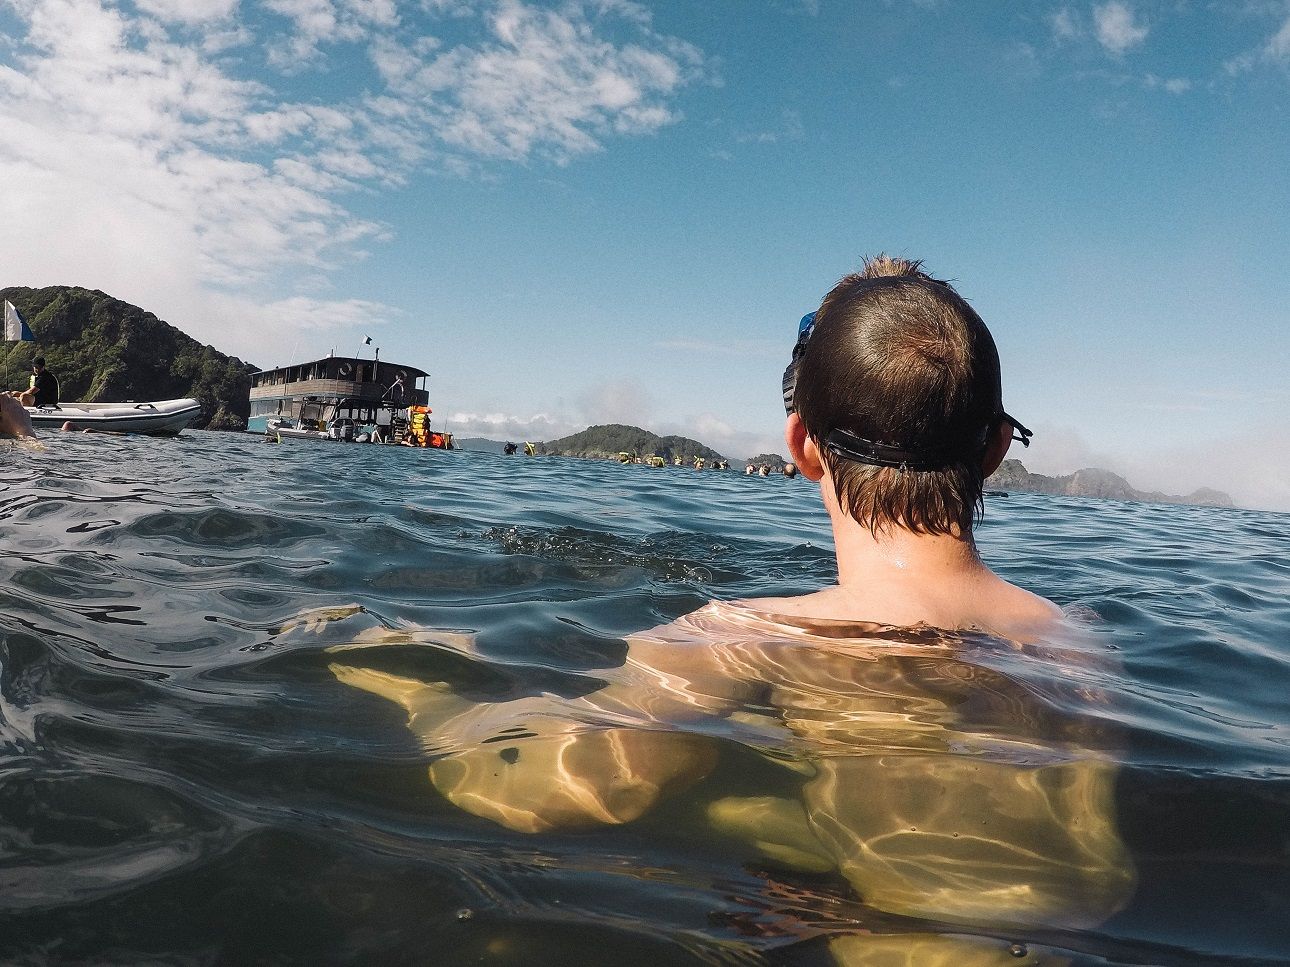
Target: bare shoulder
{"points": [[992, 605], [826, 603], [1017, 613]]}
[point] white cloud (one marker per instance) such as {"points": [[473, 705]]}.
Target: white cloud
{"points": [[789, 128], [282, 331], [620, 401], [1173, 85], [117, 136], [1116, 27], [542, 83], [318, 21], [1065, 25], [505, 426], [188, 11], [147, 156], [1275, 50], [1278, 46]]}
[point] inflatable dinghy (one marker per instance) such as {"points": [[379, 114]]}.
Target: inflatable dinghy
{"points": [[164, 418]]}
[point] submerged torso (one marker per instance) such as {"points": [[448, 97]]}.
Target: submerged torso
{"points": [[938, 784]]}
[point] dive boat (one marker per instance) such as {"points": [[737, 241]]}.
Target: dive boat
{"points": [[344, 399], [350, 420], [163, 418]]}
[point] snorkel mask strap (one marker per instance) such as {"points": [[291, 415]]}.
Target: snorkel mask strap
{"points": [[1022, 435], [856, 449], [804, 330]]}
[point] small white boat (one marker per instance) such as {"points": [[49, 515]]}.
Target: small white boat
{"points": [[163, 418]]}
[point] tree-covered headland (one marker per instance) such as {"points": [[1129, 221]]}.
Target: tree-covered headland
{"points": [[105, 350]]}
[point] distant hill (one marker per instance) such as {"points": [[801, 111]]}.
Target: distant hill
{"points": [[1093, 482], [105, 350], [606, 442], [772, 460]]}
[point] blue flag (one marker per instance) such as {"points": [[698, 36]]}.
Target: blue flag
{"points": [[15, 326]]}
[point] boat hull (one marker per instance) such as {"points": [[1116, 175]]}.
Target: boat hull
{"points": [[163, 418], [279, 432]]}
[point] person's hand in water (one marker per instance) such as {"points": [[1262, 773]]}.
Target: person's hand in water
{"points": [[14, 419]]}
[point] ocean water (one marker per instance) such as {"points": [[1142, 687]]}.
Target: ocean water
{"points": [[322, 704]]}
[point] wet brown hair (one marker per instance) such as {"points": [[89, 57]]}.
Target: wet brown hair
{"points": [[901, 359]]}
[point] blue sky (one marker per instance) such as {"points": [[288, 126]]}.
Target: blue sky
{"points": [[610, 211]]}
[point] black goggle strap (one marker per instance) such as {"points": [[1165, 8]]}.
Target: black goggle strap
{"points": [[1022, 435], [857, 449]]}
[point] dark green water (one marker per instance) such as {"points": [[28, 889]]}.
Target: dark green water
{"points": [[188, 777]]}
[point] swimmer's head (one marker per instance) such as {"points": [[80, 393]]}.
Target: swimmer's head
{"points": [[899, 387]]}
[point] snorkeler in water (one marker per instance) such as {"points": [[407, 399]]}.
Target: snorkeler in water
{"points": [[15, 421], [938, 788], [895, 408]]}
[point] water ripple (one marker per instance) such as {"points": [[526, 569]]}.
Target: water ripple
{"points": [[183, 779]]}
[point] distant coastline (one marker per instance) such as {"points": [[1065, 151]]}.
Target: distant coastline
{"points": [[1095, 482], [105, 349], [607, 441]]}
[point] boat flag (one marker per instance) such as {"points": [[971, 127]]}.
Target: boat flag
{"points": [[15, 326], [367, 340]]}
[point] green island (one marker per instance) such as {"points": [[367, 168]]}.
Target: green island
{"points": [[105, 350], [606, 442]]}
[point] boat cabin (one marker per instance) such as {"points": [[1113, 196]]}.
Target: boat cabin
{"points": [[300, 391]]}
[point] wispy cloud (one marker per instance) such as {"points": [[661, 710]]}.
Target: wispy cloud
{"points": [[163, 151], [317, 22], [1273, 51], [1116, 27], [1065, 25], [619, 401], [188, 11], [807, 8], [788, 128], [541, 83], [1173, 85]]}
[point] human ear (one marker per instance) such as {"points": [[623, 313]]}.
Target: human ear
{"points": [[802, 448], [997, 448]]}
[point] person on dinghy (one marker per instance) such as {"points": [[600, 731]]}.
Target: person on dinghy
{"points": [[43, 390]]}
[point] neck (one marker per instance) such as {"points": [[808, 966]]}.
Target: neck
{"points": [[896, 555], [899, 555]]}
